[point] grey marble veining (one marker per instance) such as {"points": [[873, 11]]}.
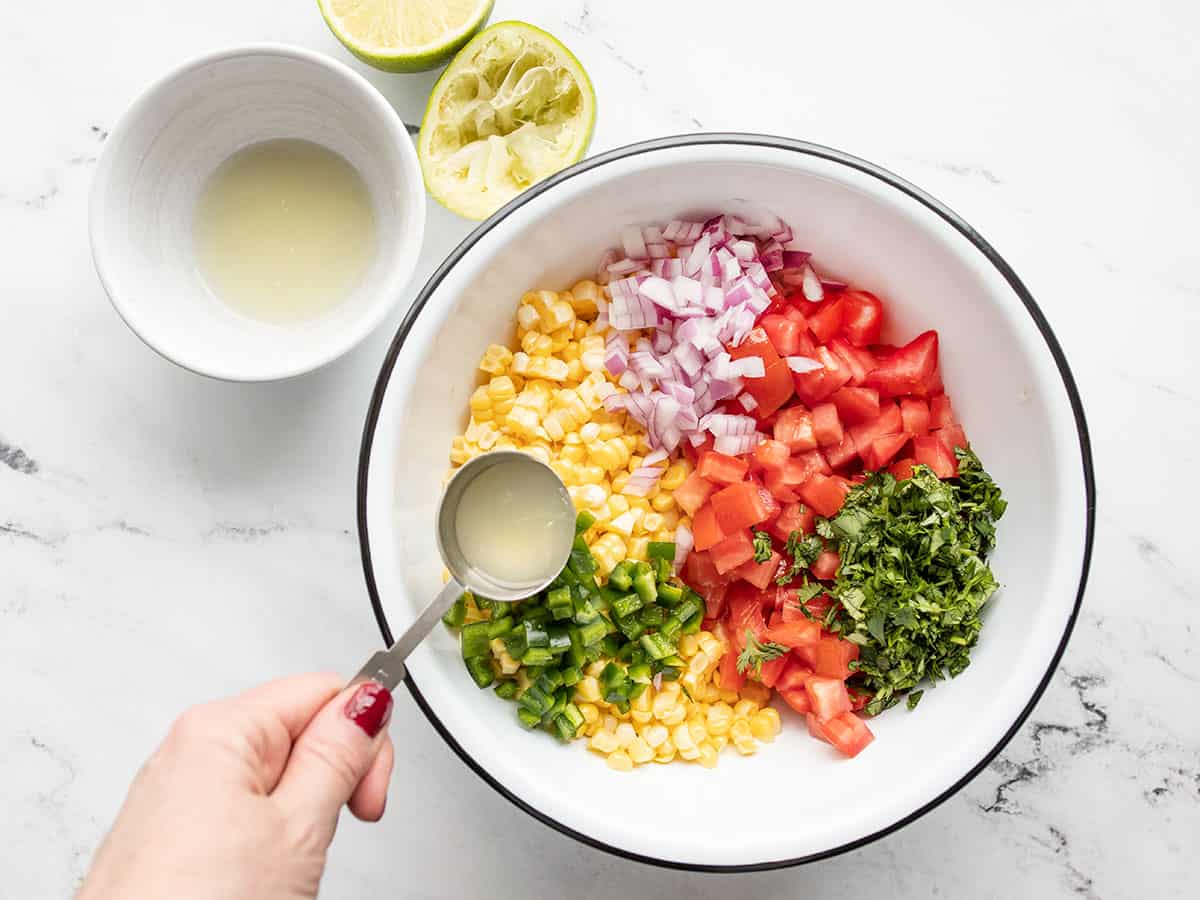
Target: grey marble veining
{"points": [[164, 538]]}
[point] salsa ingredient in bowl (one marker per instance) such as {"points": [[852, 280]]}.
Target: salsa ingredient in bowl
{"points": [[813, 482]]}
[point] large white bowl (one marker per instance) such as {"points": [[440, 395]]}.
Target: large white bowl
{"points": [[1010, 385]]}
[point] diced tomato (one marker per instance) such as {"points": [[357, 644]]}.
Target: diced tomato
{"points": [[782, 490], [699, 573], [794, 517], [862, 317], [931, 386], [846, 732], [826, 321], [692, 493], [952, 436], [833, 657], [784, 333], [745, 613], [794, 676], [930, 451], [914, 415], [733, 551], [843, 454], [828, 695], [770, 671], [856, 405], [796, 699], [714, 599], [706, 532], [759, 574], [889, 422], [806, 655], [858, 360], [827, 427], [902, 468], [755, 343], [795, 429], [907, 368], [771, 454], [739, 506], [799, 633], [771, 391], [825, 567], [721, 469], [883, 450], [825, 494], [813, 387], [731, 678], [941, 413]]}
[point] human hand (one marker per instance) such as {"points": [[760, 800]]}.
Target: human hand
{"points": [[242, 798]]}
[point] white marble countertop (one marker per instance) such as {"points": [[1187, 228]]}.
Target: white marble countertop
{"points": [[164, 538]]}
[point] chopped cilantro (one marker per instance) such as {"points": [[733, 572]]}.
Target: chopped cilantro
{"points": [[913, 575], [757, 653], [762, 546], [803, 551]]}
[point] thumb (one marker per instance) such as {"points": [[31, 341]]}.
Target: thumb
{"points": [[333, 754]]}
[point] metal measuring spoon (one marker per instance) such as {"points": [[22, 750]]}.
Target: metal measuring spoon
{"points": [[387, 666]]}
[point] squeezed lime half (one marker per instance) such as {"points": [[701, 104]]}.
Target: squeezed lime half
{"points": [[513, 107], [404, 35]]}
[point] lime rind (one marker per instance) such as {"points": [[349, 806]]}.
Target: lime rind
{"points": [[409, 59], [514, 107]]}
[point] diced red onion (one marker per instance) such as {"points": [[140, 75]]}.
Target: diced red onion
{"points": [[633, 242], [654, 457], [666, 268], [748, 367], [725, 423], [833, 286], [736, 445], [811, 285], [629, 381], [684, 542], [697, 257], [802, 364], [747, 402], [642, 481], [624, 267]]}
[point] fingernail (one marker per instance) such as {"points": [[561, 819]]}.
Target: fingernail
{"points": [[370, 707]]}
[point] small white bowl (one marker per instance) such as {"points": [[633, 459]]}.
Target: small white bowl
{"points": [[796, 800], [156, 161]]}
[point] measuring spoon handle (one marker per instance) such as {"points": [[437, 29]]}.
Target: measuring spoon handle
{"points": [[387, 666]]}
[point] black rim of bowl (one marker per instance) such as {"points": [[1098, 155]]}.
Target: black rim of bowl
{"points": [[779, 143]]}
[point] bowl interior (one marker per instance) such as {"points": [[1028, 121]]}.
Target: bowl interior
{"points": [[1006, 388], [162, 153]]}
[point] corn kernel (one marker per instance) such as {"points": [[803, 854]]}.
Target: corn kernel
{"points": [[708, 756], [620, 761], [765, 724], [663, 704], [673, 477], [719, 741], [744, 708], [719, 719], [639, 751], [682, 738], [655, 735], [675, 715], [661, 503], [729, 696], [740, 731], [651, 522], [641, 716], [594, 669], [588, 689], [746, 747], [665, 753], [688, 645], [589, 711], [582, 297], [625, 733], [697, 730], [710, 645], [573, 453], [611, 723], [589, 432], [603, 741]]}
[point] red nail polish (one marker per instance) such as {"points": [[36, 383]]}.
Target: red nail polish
{"points": [[370, 707]]}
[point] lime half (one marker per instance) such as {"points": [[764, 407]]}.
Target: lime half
{"points": [[514, 107], [404, 35]]}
